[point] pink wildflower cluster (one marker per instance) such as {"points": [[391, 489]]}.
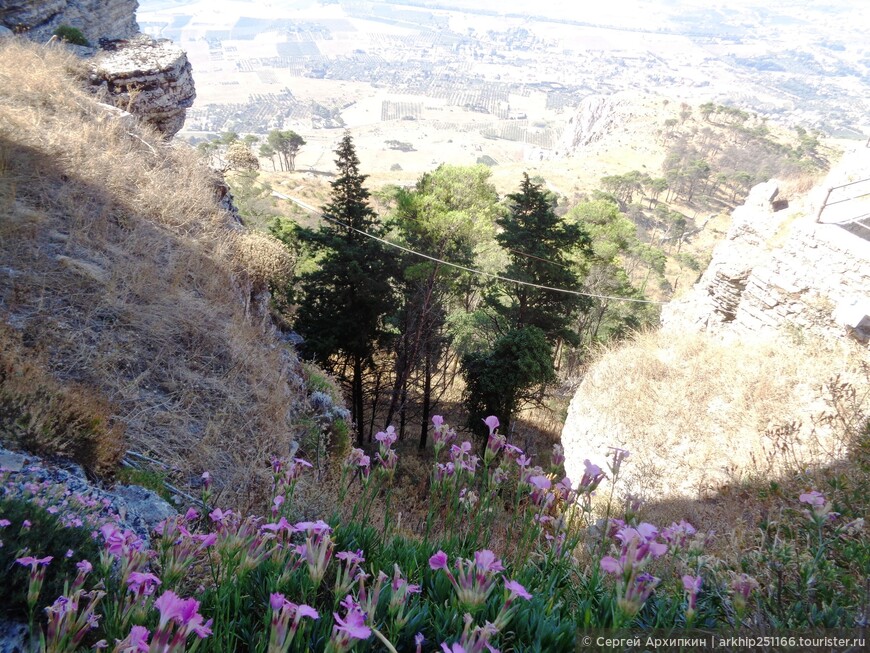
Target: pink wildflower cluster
{"points": [[742, 587], [638, 547], [67, 626], [443, 435], [386, 455], [285, 476], [820, 508], [495, 442], [317, 549], [285, 622], [179, 620], [358, 461], [37, 576], [349, 628], [475, 579], [400, 598], [473, 639]]}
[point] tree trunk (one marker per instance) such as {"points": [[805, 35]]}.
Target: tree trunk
{"points": [[357, 399], [402, 414], [427, 394]]}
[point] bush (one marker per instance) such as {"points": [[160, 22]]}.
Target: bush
{"points": [[72, 35], [46, 536]]}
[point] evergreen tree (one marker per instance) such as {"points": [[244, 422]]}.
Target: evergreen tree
{"points": [[447, 215], [343, 302], [539, 244], [516, 369], [543, 250]]}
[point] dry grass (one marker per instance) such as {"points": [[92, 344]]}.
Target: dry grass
{"points": [[699, 414], [118, 263]]}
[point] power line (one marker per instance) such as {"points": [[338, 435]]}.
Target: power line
{"points": [[482, 273]]}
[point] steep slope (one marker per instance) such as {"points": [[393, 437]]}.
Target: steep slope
{"points": [[762, 368], [131, 304]]}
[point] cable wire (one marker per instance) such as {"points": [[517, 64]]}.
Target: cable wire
{"points": [[482, 273]]}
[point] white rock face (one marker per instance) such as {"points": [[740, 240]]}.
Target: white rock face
{"points": [[111, 19], [596, 116], [778, 271], [710, 398], [150, 79]]}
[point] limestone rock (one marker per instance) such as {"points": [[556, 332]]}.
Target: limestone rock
{"points": [[596, 116], [145, 503], [97, 19], [151, 79], [779, 271]]}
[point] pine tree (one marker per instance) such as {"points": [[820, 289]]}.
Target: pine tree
{"points": [[539, 243], [532, 321], [343, 302]]}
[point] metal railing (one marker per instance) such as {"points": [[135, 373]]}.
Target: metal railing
{"points": [[856, 220]]}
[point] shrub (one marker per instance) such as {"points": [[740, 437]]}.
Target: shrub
{"points": [[71, 35], [45, 536]]}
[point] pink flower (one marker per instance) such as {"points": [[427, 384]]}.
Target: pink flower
{"points": [[692, 585], [136, 641], [33, 563], [352, 626], [455, 648], [4, 523], [517, 590], [191, 515], [388, 437], [219, 516], [142, 584], [611, 565], [491, 423], [592, 477], [558, 456], [618, 456], [437, 420], [486, 561], [438, 561], [206, 480], [84, 567]]}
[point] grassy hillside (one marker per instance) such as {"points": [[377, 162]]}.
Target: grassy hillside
{"points": [[131, 303]]}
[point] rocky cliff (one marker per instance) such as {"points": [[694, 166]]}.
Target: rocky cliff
{"points": [[780, 270], [150, 79], [760, 368], [596, 116], [129, 316], [97, 19]]}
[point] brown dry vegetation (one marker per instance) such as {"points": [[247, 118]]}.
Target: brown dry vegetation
{"points": [[699, 413], [121, 272]]}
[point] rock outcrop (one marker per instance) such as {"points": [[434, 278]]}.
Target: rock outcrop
{"points": [[741, 380], [596, 116], [150, 79], [97, 19], [783, 270]]}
